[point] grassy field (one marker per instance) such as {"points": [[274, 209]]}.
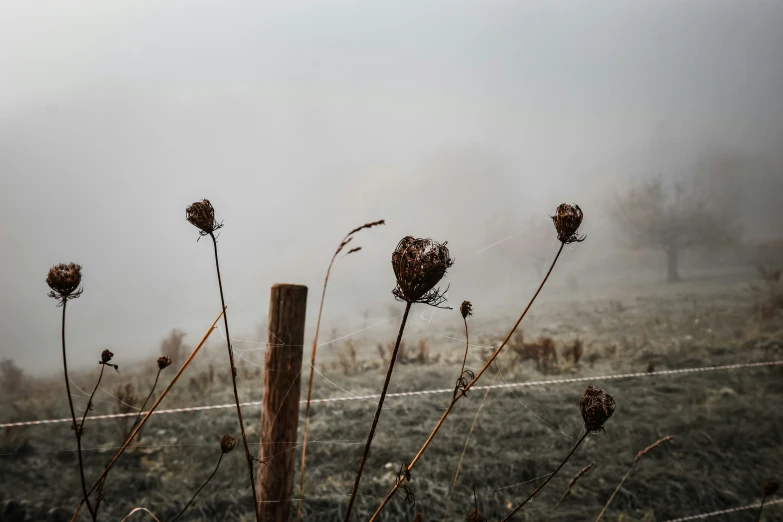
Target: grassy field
{"points": [[728, 425]]}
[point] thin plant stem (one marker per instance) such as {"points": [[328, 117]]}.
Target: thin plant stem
{"points": [[89, 402], [199, 489], [761, 507], [464, 358], [622, 481], [76, 427], [234, 382], [470, 385], [149, 414], [377, 414], [539, 488], [465, 448]]}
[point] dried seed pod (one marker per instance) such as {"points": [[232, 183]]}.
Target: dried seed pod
{"points": [[466, 309], [64, 280], [771, 487], [567, 219], [596, 407], [419, 265], [201, 215], [164, 362], [227, 443], [106, 356]]}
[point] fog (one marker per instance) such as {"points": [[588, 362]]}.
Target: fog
{"points": [[452, 120]]}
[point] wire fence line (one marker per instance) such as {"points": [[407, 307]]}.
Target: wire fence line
{"points": [[330, 400], [726, 511]]}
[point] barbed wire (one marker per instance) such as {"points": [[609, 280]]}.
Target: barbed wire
{"points": [[726, 511], [329, 400]]}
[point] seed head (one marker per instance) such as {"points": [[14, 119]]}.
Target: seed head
{"points": [[202, 216], [596, 407], [419, 265], [64, 280], [567, 219], [227, 443], [771, 487], [106, 356], [466, 309], [164, 362]]}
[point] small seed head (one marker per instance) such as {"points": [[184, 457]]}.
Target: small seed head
{"points": [[419, 265], [771, 487], [106, 356], [567, 219], [201, 215], [596, 407], [164, 362], [466, 309], [64, 279], [227, 443]]}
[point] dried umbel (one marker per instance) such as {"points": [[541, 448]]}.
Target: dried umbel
{"points": [[466, 309], [106, 356], [227, 443], [64, 281], [567, 219], [771, 487], [419, 265], [596, 407], [202, 216], [164, 362]]}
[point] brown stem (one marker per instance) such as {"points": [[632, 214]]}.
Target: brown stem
{"points": [[147, 417], [199, 489], [606, 506], [76, 427], [89, 402], [310, 389], [539, 488], [234, 382], [470, 385], [464, 358], [761, 507], [377, 414]]}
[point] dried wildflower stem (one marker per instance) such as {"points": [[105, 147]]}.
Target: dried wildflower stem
{"points": [[464, 357], [470, 385], [89, 402], [154, 385], [539, 488], [234, 382], [149, 413], [636, 459], [571, 484], [199, 489], [140, 509], [76, 427], [377, 414]]}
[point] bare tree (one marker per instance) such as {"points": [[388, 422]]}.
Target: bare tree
{"points": [[174, 347], [696, 212]]}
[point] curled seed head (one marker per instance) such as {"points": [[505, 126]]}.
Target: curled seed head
{"points": [[771, 487], [567, 219], [419, 265], [466, 309], [164, 362], [596, 407], [227, 443], [201, 215], [106, 356], [64, 279]]}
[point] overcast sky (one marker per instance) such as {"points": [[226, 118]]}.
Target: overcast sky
{"points": [[301, 120]]}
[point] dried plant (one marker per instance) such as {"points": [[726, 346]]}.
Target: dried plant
{"points": [[571, 484], [564, 239], [770, 488], [475, 515], [347, 239], [163, 363], [542, 352], [567, 219], [575, 351], [64, 281], [419, 265], [227, 443], [201, 214], [636, 459], [465, 309], [596, 407]]}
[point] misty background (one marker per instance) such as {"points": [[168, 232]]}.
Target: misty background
{"points": [[460, 121]]}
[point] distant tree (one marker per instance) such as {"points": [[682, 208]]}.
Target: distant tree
{"points": [[697, 212], [174, 347], [12, 378]]}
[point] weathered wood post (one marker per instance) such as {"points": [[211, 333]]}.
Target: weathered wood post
{"points": [[280, 414]]}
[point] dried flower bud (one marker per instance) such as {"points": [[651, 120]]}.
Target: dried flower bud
{"points": [[475, 516], [64, 280], [106, 356], [164, 362], [202, 216], [227, 443], [596, 407], [419, 265], [466, 309], [771, 487], [567, 219]]}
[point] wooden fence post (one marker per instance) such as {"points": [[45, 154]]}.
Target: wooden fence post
{"points": [[280, 413]]}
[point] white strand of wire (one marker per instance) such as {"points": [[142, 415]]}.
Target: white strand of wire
{"points": [[726, 511]]}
